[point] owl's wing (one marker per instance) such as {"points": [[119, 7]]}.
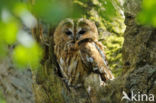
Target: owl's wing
{"points": [[93, 57]]}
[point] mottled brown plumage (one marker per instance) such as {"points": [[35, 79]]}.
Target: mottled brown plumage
{"points": [[78, 52]]}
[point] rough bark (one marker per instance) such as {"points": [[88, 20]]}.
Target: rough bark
{"points": [[139, 52], [15, 84]]}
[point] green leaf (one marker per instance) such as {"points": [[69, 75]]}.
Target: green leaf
{"points": [[147, 16], [27, 56]]}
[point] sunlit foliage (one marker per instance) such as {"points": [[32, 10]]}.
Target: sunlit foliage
{"points": [[27, 56], [148, 14], [15, 16]]}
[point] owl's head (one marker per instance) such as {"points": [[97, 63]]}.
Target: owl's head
{"points": [[64, 31], [69, 31], [86, 29]]}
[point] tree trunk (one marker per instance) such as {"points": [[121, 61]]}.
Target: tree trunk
{"points": [[15, 84]]}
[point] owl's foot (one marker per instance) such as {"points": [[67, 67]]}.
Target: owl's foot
{"points": [[102, 83]]}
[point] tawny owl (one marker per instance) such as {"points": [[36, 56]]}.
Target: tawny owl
{"points": [[78, 52]]}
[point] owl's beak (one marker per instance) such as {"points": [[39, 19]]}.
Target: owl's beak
{"points": [[73, 41], [77, 37]]}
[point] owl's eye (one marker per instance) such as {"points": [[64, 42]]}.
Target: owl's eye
{"points": [[82, 31], [68, 32]]}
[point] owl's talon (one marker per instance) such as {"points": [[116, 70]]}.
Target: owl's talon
{"points": [[102, 83]]}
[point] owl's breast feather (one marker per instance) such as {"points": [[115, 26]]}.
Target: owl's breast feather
{"points": [[70, 64]]}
